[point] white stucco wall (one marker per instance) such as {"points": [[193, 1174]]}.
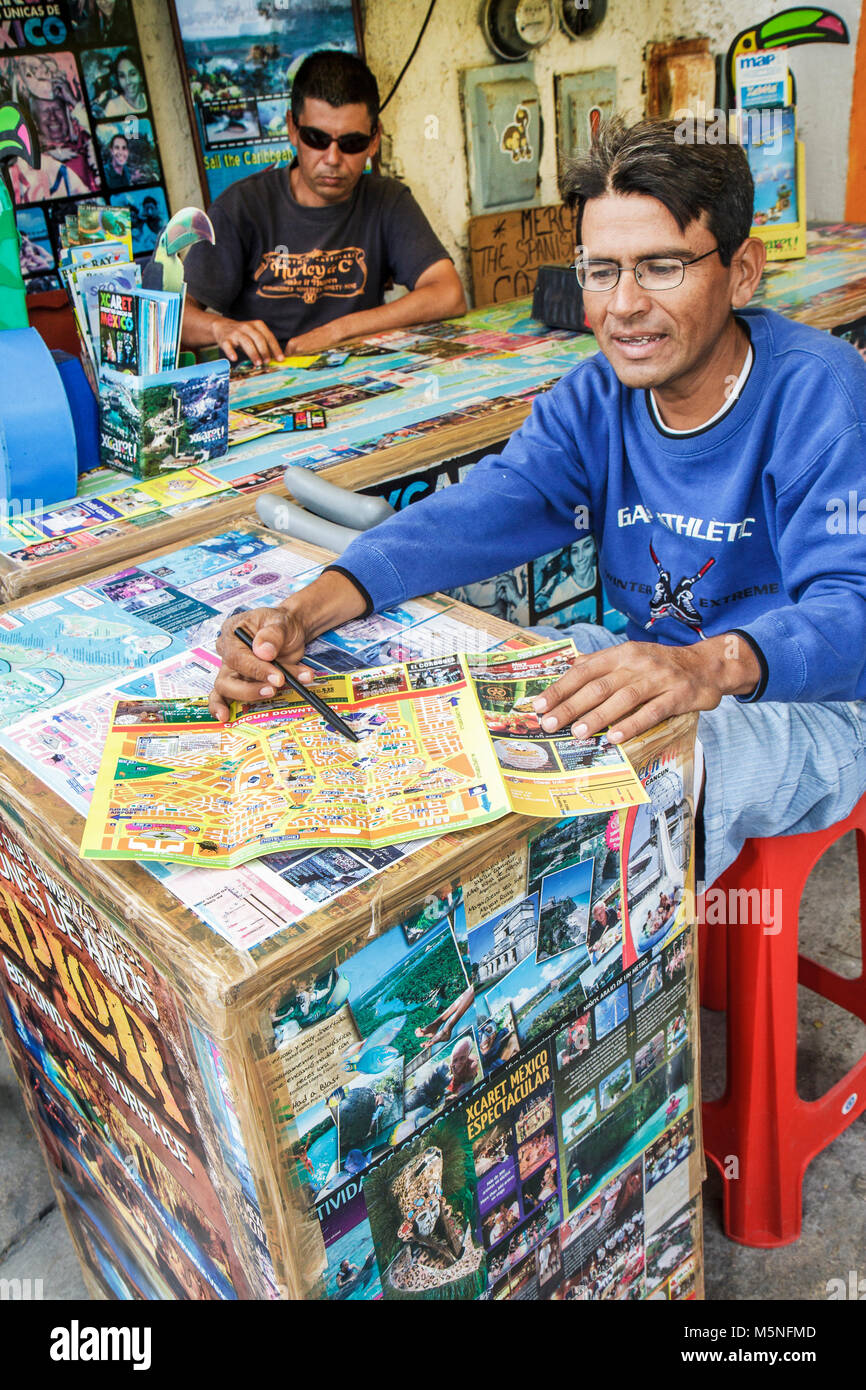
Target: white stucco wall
{"points": [[436, 168]]}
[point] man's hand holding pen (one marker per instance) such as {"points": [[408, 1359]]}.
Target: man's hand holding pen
{"points": [[248, 676], [279, 634]]}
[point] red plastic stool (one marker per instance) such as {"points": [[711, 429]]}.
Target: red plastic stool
{"points": [[761, 1121]]}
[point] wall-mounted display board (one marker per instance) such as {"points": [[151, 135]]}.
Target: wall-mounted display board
{"points": [[238, 67], [75, 67], [583, 101]]}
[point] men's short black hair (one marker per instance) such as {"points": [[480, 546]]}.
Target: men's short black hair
{"points": [[340, 79], [689, 177]]}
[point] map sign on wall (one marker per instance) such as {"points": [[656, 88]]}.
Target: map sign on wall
{"points": [[239, 66], [75, 67]]}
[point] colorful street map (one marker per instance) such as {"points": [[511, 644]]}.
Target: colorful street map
{"points": [[58, 695], [178, 786], [59, 647]]}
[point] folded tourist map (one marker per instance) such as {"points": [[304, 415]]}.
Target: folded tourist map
{"points": [[445, 744]]}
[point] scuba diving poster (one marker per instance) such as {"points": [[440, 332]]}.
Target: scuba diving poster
{"points": [[238, 70]]}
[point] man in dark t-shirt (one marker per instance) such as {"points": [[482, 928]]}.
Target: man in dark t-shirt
{"points": [[302, 256]]}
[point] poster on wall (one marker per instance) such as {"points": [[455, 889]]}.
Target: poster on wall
{"points": [[75, 67], [238, 68]]}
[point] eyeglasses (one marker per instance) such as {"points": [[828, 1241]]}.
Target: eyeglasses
{"points": [[651, 273], [316, 139]]}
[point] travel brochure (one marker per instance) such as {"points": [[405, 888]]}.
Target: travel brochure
{"points": [[93, 223], [90, 269], [164, 421], [154, 417], [445, 743], [121, 325], [768, 132], [139, 330]]}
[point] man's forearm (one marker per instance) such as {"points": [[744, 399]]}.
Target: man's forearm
{"points": [[198, 325], [418, 306], [329, 601]]}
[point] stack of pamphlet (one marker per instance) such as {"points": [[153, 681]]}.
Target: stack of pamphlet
{"points": [[139, 330], [120, 324], [154, 417], [96, 254]]}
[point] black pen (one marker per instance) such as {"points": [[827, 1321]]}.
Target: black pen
{"points": [[330, 716]]}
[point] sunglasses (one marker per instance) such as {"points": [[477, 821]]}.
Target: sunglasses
{"points": [[316, 139]]}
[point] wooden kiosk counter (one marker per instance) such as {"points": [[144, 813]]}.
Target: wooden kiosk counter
{"points": [[463, 1069]]}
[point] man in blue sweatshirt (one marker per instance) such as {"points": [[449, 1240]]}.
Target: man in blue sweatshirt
{"points": [[712, 451]]}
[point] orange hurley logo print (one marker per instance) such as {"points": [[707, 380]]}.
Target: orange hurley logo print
{"points": [[308, 275]]}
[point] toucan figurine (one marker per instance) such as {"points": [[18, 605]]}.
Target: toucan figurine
{"points": [[18, 140], [803, 24], [164, 270]]}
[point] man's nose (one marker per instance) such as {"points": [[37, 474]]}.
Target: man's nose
{"points": [[628, 297], [332, 154]]}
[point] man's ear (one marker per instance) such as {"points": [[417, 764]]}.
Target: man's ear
{"points": [[747, 267], [373, 147]]}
